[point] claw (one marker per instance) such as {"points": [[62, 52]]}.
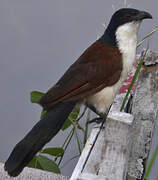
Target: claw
{"points": [[96, 120]]}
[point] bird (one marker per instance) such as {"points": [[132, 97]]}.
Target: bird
{"points": [[93, 79]]}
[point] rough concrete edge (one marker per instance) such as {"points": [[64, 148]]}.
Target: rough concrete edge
{"points": [[145, 109], [31, 174]]}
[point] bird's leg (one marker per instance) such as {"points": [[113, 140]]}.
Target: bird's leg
{"points": [[99, 119], [92, 108]]}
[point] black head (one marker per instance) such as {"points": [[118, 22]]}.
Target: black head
{"points": [[127, 15], [121, 17]]}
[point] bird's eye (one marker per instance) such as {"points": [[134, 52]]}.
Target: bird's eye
{"points": [[127, 15]]}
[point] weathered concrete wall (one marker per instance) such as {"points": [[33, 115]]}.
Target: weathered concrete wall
{"points": [[144, 109], [31, 174]]}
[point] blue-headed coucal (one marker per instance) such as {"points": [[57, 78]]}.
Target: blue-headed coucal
{"points": [[93, 79]]}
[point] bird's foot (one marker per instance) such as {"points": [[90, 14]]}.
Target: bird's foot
{"points": [[96, 120]]}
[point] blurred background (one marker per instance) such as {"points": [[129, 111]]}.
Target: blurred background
{"points": [[39, 40]]}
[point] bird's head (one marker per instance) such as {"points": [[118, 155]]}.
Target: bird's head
{"points": [[127, 15], [125, 20]]}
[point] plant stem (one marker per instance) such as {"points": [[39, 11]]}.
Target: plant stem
{"points": [[67, 138], [65, 142], [70, 137], [75, 122], [78, 141], [36, 163], [153, 158], [79, 126], [148, 35], [86, 128], [82, 114], [70, 160], [133, 79]]}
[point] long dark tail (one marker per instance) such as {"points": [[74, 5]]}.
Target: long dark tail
{"points": [[40, 134]]}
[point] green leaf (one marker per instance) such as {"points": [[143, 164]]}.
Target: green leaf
{"points": [[73, 116], [43, 113], [67, 124], [34, 163], [86, 127], [35, 96], [53, 151], [48, 164], [78, 141]]}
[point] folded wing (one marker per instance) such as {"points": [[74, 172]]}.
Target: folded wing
{"points": [[98, 67]]}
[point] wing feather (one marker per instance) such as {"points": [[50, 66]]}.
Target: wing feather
{"points": [[99, 66]]}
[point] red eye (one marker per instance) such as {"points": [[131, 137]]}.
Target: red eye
{"points": [[127, 16]]}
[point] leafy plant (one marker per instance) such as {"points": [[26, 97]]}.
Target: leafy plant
{"points": [[53, 151], [35, 96], [42, 162]]}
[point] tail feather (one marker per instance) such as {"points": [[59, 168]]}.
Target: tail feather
{"points": [[40, 134]]}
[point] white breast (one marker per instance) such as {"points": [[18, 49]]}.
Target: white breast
{"points": [[126, 36]]}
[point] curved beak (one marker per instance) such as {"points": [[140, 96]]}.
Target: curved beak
{"points": [[143, 15]]}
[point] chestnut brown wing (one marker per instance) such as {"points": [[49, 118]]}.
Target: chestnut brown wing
{"points": [[99, 66]]}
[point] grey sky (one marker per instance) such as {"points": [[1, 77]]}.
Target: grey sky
{"points": [[38, 42]]}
